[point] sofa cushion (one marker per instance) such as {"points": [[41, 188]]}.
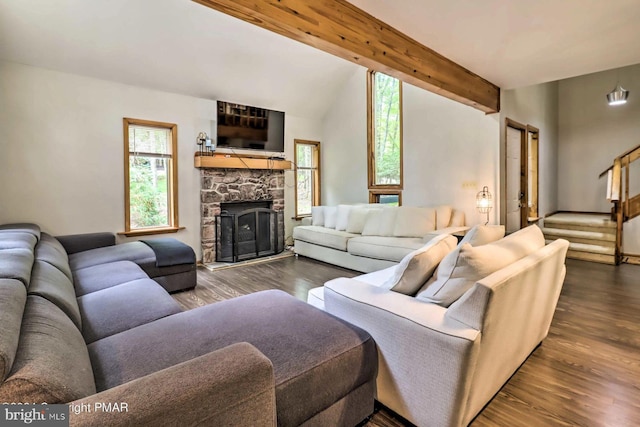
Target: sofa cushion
{"points": [[342, 218], [131, 251], [381, 222], [48, 252], [49, 240], [17, 240], [357, 219], [13, 297], [483, 234], [414, 222], [381, 247], [457, 218], [16, 264], [119, 308], [22, 228], [330, 216], [52, 284], [317, 216], [102, 276], [443, 216], [323, 236], [317, 358], [52, 364], [418, 266], [459, 270]]}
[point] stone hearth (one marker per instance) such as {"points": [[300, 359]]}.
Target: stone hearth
{"points": [[235, 185]]}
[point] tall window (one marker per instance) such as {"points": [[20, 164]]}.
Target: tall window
{"points": [[307, 160], [151, 177], [384, 136]]}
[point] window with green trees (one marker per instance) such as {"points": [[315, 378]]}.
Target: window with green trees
{"points": [[307, 176], [384, 99], [150, 175]]}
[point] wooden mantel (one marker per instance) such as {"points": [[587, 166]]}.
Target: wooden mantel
{"points": [[340, 28], [237, 162]]}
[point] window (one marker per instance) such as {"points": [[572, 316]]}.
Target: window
{"points": [[307, 176], [386, 197], [151, 177], [384, 136]]}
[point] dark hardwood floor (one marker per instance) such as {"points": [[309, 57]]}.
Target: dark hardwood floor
{"points": [[586, 373]]}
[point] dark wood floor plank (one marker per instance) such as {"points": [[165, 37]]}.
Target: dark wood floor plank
{"points": [[587, 371]]}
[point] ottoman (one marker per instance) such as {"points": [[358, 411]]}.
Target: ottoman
{"points": [[325, 368]]}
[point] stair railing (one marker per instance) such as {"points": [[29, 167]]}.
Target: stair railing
{"points": [[624, 207]]}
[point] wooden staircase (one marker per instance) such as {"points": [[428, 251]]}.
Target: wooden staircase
{"points": [[592, 237], [598, 237]]}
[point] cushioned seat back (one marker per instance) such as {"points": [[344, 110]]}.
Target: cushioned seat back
{"points": [[48, 251], [22, 228], [52, 284], [137, 252], [16, 264], [13, 296], [17, 240], [52, 363]]}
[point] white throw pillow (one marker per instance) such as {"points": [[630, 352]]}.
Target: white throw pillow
{"points": [[357, 219], [330, 216], [372, 223], [443, 216], [415, 268], [463, 267], [317, 216], [482, 234], [414, 222], [343, 217], [388, 221]]}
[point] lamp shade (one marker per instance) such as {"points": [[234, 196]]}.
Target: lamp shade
{"points": [[484, 203], [618, 96]]}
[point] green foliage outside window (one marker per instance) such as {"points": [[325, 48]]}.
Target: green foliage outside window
{"points": [[387, 122]]}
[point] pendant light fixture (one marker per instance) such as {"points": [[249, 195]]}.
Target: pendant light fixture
{"points": [[618, 96]]}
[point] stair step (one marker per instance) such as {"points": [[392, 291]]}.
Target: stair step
{"points": [[581, 222], [579, 234], [587, 256], [594, 249]]}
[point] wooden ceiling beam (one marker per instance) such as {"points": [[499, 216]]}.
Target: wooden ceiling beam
{"points": [[340, 28]]}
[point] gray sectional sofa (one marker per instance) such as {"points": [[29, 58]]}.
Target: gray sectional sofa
{"points": [[91, 327]]}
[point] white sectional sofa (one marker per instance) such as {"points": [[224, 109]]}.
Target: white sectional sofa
{"points": [[371, 237], [448, 347]]}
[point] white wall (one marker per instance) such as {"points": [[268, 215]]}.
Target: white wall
{"points": [[536, 106], [344, 149], [61, 149], [592, 134], [450, 150], [450, 153]]}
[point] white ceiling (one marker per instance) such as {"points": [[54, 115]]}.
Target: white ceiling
{"points": [[180, 46], [515, 43], [172, 45]]}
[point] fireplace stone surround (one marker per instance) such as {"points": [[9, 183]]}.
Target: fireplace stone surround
{"points": [[236, 185]]}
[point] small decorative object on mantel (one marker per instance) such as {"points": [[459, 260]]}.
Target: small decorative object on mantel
{"points": [[484, 202], [205, 146]]}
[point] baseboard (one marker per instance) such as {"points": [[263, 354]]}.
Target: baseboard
{"points": [[631, 259]]}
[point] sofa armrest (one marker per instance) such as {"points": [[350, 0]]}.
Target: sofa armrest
{"points": [[306, 221], [231, 386], [83, 242], [424, 355]]}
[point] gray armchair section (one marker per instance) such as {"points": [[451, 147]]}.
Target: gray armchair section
{"points": [[75, 243], [230, 386]]}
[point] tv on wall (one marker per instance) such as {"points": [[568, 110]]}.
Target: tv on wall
{"points": [[249, 128]]}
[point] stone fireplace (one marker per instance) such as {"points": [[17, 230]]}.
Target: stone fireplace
{"points": [[236, 185]]}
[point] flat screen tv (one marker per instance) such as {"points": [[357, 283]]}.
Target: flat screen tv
{"points": [[249, 128]]}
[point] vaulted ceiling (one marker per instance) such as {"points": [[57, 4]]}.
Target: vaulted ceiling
{"points": [[180, 46]]}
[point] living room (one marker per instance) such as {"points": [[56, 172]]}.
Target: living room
{"points": [[70, 73]]}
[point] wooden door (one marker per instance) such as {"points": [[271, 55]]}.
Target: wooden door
{"points": [[516, 176]]}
